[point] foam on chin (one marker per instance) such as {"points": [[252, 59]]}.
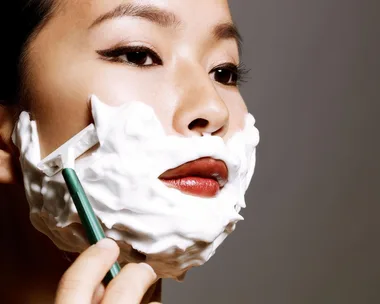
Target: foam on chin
{"points": [[169, 230]]}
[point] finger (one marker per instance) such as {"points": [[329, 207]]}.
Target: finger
{"points": [[79, 282], [98, 295], [130, 285], [153, 294]]}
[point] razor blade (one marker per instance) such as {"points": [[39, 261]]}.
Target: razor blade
{"points": [[65, 155]]}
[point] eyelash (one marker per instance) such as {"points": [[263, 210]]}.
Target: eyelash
{"points": [[238, 72]]}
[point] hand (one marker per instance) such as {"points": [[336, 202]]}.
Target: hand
{"points": [[81, 283]]}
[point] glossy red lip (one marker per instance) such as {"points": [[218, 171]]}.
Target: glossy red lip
{"points": [[202, 177]]}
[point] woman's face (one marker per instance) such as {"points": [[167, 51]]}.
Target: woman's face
{"points": [[177, 56]]}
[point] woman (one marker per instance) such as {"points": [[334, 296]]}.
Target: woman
{"points": [[181, 58]]}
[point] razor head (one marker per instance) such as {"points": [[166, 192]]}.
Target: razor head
{"points": [[65, 155]]}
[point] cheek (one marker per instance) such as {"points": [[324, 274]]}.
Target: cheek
{"points": [[60, 110], [120, 84], [116, 84], [57, 90], [60, 96], [237, 110]]}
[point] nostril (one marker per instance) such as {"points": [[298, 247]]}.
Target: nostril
{"points": [[198, 123]]}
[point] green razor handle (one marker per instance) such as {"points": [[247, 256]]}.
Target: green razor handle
{"points": [[87, 216]]}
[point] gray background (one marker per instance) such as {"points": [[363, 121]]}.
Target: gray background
{"points": [[312, 231]]}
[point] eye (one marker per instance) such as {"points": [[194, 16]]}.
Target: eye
{"points": [[140, 56], [228, 74], [225, 76]]}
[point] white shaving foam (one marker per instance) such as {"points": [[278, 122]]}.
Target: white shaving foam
{"points": [[151, 222]]}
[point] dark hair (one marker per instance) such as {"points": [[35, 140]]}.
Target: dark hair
{"points": [[20, 20]]}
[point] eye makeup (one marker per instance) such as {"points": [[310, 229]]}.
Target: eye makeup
{"points": [[136, 55], [144, 57], [230, 73]]}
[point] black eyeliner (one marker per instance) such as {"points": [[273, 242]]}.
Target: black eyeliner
{"points": [[113, 53]]}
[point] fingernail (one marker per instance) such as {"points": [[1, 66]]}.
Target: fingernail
{"points": [[105, 243], [147, 266]]}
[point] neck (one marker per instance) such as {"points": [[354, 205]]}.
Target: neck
{"points": [[31, 262]]}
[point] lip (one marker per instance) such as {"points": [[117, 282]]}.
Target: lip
{"points": [[203, 177]]}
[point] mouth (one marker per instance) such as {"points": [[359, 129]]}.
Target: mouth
{"points": [[203, 177]]}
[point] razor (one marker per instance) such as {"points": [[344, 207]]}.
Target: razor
{"points": [[63, 160]]}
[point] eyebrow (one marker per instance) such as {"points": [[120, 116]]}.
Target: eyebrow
{"points": [[164, 18], [228, 30], [149, 12]]}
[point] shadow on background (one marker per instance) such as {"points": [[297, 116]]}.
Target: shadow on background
{"points": [[312, 231]]}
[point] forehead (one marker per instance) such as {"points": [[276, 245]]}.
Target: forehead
{"points": [[203, 13]]}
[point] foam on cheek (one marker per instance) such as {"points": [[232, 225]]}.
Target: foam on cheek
{"points": [[168, 229]]}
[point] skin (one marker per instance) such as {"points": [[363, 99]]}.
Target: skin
{"points": [[63, 68], [129, 286]]}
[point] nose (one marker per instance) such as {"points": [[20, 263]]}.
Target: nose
{"points": [[200, 109]]}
